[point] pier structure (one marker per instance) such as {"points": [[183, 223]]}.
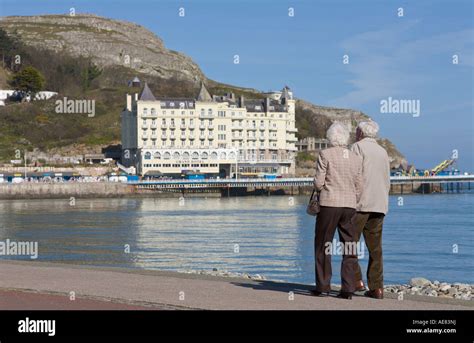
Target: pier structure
{"points": [[399, 184]]}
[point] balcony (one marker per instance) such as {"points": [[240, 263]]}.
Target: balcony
{"points": [[210, 137], [153, 126], [291, 139], [164, 126], [191, 138], [202, 137], [172, 126], [173, 137], [237, 127], [261, 127], [183, 136], [164, 137], [202, 127], [191, 126], [291, 129], [273, 128], [237, 138], [210, 127], [144, 126], [154, 136], [252, 128], [273, 138], [251, 138], [183, 126], [144, 137]]}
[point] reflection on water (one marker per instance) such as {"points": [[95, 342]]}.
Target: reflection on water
{"points": [[271, 236]]}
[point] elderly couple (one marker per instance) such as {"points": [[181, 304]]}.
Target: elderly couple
{"points": [[353, 185]]}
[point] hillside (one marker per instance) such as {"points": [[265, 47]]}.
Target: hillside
{"points": [[64, 48]]}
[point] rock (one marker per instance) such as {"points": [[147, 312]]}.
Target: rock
{"points": [[419, 282], [452, 290], [444, 288], [436, 282]]}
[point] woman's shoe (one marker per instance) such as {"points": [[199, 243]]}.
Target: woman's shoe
{"points": [[318, 293], [345, 295], [375, 293]]}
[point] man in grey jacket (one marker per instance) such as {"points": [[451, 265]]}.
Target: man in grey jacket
{"points": [[373, 204]]}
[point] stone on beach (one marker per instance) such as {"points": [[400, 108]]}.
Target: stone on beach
{"points": [[419, 282]]}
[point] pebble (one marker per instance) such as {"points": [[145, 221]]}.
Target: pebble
{"points": [[422, 286]]}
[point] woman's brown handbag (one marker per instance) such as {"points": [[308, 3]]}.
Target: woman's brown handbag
{"points": [[313, 206]]}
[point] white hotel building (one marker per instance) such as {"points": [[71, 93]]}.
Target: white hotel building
{"points": [[213, 135]]}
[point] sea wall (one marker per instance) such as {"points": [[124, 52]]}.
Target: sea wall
{"points": [[65, 190]]}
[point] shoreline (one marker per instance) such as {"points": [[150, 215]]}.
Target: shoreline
{"points": [[113, 190]]}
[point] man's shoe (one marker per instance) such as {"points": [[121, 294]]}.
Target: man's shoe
{"points": [[375, 293], [360, 286], [345, 295], [318, 293]]}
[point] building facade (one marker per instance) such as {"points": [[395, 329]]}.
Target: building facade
{"points": [[312, 144], [212, 135]]}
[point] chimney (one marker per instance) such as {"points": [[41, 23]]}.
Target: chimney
{"points": [[267, 104], [242, 101]]}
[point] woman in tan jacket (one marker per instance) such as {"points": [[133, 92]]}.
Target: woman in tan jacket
{"points": [[338, 179]]}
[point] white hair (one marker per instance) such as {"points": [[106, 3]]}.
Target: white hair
{"points": [[337, 135], [369, 128]]}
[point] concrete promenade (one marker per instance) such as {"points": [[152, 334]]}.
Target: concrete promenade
{"points": [[39, 285]]}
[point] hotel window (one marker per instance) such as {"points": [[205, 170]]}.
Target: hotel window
{"points": [[166, 156], [172, 112], [145, 111], [191, 112], [163, 121], [171, 105], [209, 111], [148, 156], [203, 111], [176, 165], [183, 121], [183, 113], [153, 111], [164, 112]]}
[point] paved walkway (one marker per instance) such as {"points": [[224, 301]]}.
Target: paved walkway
{"points": [[39, 285]]}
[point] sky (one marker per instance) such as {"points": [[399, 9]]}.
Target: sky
{"points": [[391, 55]]}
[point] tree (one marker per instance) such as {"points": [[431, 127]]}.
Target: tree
{"points": [[10, 47], [89, 74], [27, 81]]}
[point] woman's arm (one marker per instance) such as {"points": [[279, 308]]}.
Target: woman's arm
{"points": [[321, 168]]}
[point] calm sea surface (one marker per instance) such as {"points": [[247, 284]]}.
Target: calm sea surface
{"points": [[274, 235]]}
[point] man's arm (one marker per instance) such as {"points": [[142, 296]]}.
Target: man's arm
{"points": [[321, 168]]}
